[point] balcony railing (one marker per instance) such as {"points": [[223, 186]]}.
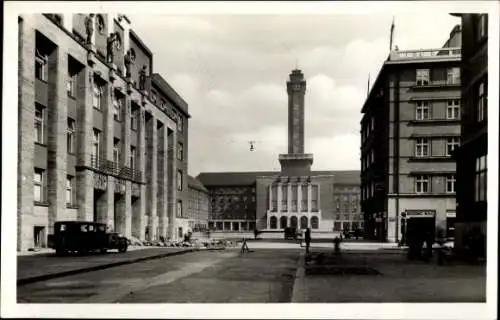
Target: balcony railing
{"points": [[432, 54], [112, 168]]}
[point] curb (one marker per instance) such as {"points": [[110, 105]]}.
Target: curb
{"points": [[299, 284], [44, 277]]}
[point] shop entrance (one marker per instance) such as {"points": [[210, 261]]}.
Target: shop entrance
{"points": [[420, 227], [97, 197], [39, 236]]}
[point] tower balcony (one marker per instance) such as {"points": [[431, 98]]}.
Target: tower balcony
{"points": [[425, 55], [296, 156]]}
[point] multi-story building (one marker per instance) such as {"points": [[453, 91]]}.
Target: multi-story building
{"points": [[271, 201], [92, 144], [197, 210], [347, 195], [166, 98], [471, 157], [409, 128]]}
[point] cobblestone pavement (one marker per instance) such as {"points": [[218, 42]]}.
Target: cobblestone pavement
{"points": [[384, 277], [204, 276], [267, 275]]}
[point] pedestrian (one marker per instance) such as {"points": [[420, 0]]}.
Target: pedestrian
{"points": [[244, 246], [308, 239], [429, 241], [255, 233]]}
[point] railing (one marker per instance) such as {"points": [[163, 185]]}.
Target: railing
{"points": [[426, 54], [112, 168]]}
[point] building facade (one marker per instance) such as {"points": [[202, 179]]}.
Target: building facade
{"points": [[197, 209], [293, 197], [92, 144], [472, 155], [409, 128], [348, 215]]}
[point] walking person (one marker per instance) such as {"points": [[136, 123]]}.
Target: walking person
{"points": [[244, 246], [307, 237]]}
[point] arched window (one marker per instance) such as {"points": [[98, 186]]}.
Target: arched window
{"points": [[100, 24], [118, 41], [303, 222], [273, 222], [314, 222], [283, 222], [293, 222]]}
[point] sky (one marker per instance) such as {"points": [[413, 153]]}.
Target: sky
{"points": [[232, 71]]}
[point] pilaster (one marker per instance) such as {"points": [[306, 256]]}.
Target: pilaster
{"points": [[139, 210], [57, 120], [26, 138], [152, 179]]}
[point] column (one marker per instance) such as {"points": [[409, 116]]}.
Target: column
{"points": [[172, 184], [152, 183], [163, 188], [270, 197], [57, 119], [299, 197], [309, 194], [139, 210], [26, 144], [280, 197], [124, 225], [289, 197], [84, 136], [105, 203]]}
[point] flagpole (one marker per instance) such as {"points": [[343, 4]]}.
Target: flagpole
{"points": [[368, 87], [392, 34]]}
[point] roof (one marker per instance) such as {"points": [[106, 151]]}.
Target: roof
{"points": [[171, 94], [140, 43], [196, 184], [215, 179]]}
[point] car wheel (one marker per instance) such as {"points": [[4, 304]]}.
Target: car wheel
{"points": [[122, 249]]}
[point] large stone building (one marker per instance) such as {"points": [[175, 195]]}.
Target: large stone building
{"points": [[472, 155], [409, 128], [197, 210], [93, 145], [295, 196]]}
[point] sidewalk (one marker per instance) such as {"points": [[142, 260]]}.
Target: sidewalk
{"points": [[45, 265]]}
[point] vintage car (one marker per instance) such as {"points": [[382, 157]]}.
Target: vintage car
{"points": [[84, 237], [291, 233]]}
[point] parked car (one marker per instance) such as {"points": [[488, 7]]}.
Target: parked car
{"points": [[291, 233], [83, 237]]}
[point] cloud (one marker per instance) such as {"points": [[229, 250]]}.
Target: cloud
{"points": [[232, 71]]}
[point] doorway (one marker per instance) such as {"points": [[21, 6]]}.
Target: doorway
{"points": [[97, 197], [39, 236]]}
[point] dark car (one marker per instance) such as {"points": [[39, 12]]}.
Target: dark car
{"points": [[291, 233], [83, 237]]}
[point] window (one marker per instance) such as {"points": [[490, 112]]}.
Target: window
{"points": [[41, 70], [481, 103], [481, 27], [96, 141], [422, 147], [117, 108], [422, 184], [153, 97], [336, 226], [38, 185], [71, 85], [346, 226], [69, 190], [422, 77], [422, 110], [453, 76], [180, 151], [71, 136], [133, 156], [480, 178], [100, 24], [180, 123], [179, 208], [453, 109], [450, 183], [179, 180], [133, 119], [97, 96], [116, 151], [451, 144], [39, 123]]}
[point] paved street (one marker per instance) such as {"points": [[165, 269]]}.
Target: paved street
{"points": [[266, 275]]}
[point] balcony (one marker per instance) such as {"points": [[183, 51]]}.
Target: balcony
{"points": [[425, 55], [296, 156], [111, 168]]}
